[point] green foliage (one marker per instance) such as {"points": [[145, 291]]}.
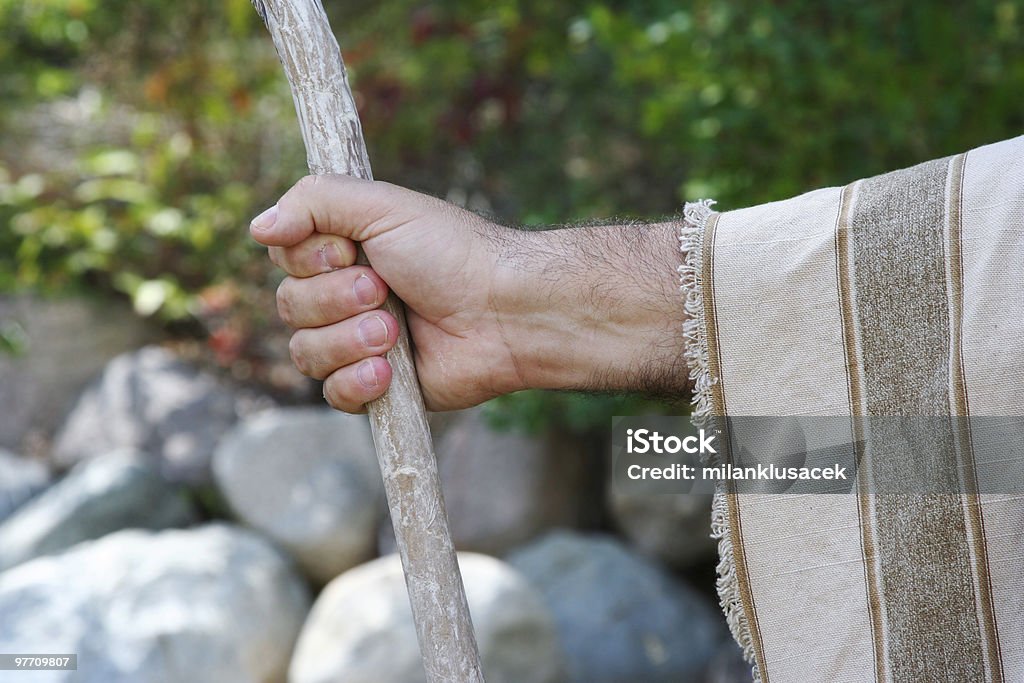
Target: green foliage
{"points": [[562, 111], [13, 339], [136, 139], [581, 414]]}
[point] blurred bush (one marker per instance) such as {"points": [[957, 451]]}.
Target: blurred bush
{"points": [[137, 138]]}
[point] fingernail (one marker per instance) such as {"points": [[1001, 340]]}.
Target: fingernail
{"points": [[373, 331], [365, 290], [334, 256], [367, 374], [325, 257], [266, 220]]}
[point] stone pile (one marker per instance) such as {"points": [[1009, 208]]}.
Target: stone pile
{"points": [[172, 535]]}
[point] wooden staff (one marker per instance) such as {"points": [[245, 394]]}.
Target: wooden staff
{"points": [[334, 144]]}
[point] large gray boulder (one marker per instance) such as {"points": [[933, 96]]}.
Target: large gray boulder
{"points": [[20, 479], [308, 479], [209, 605], [117, 491], [502, 488], [152, 401], [361, 628], [672, 528], [65, 343], [620, 617]]}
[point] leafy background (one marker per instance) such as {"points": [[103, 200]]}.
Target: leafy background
{"points": [[138, 138]]}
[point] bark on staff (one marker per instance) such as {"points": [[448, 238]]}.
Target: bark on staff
{"points": [[334, 144]]}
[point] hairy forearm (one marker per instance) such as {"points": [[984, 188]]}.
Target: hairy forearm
{"points": [[593, 308]]}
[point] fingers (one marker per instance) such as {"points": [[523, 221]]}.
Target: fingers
{"points": [[351, 387], [330, 297], [314, 255], [310, 232], [318, 352], [332, 204]]}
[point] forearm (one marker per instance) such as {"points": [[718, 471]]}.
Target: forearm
{"points": [[593, 308], [490, 310]]}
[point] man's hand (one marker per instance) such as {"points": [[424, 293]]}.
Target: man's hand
{"points": [[491, 310]]}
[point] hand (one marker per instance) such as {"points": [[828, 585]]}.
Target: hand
{"points": [[490, 309]]}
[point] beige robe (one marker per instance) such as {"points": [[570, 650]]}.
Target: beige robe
{"points": [[896, 295]]}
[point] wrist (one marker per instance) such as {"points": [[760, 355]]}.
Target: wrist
{"points": [[593, 308]]}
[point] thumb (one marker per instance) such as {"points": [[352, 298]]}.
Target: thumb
{"points": [[332, 204]]}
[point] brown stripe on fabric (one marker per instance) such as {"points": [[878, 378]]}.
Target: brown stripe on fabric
{"points": [[743, 577], [961, 408], [956, 286], [719, 411], [897, 250], [856, 403], [711, 315], [844, 276]]}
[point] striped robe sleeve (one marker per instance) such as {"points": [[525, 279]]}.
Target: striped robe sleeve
{"points": [[899, 295]]}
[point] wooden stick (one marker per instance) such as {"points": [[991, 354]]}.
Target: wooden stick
{"points": [[334, 144]]}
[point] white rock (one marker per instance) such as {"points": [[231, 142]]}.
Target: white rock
{"points": [[20, 479], [152, 401], [209, 605], [308, 479], [361, 628], [117, 491]]}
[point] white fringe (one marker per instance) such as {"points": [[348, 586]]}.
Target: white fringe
{"points": [[691, 241], [728, 584]]}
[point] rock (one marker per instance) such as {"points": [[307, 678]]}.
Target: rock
{"points": [[208, 605], [154, 402], [672, 528], [308, 479], [20, 479], [106, 494], [503, 488], [66, 342], [620, 617], [361, 628]]}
